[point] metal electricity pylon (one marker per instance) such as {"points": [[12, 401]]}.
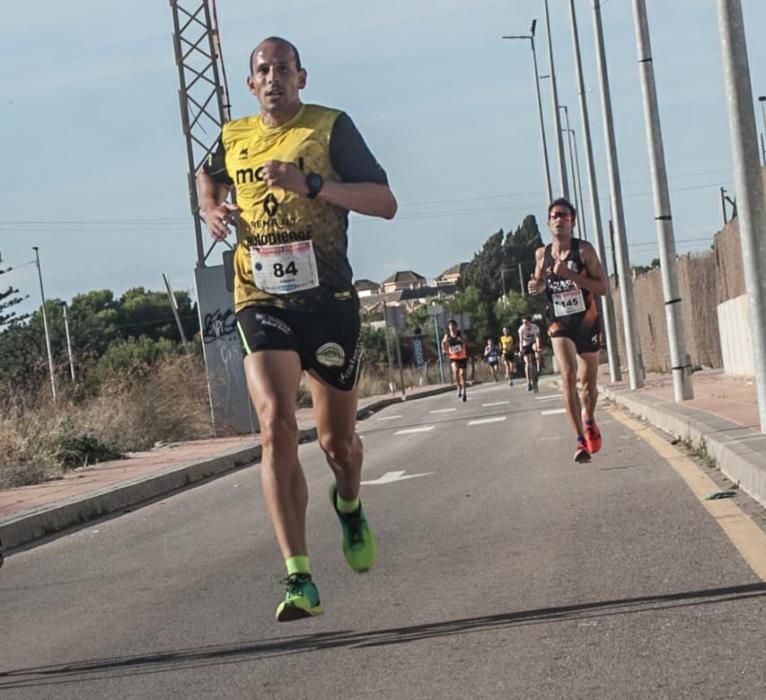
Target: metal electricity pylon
{"points": [[203, 94]]}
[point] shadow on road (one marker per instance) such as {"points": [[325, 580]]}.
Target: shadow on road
{"points": [[216, 655]]}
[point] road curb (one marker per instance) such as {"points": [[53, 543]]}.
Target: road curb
{"points": [[28, 526], [740, 453]]}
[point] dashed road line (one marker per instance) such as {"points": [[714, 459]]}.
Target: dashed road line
{"points": [[496, 403], [553, 412], [421, 429], [482, 421], [443, 410], [389, 417]]}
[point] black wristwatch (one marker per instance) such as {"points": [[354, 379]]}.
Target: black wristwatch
{"points": [[314, 182]]}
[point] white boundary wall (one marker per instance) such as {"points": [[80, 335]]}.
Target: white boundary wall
{"points": [[736, 340]]}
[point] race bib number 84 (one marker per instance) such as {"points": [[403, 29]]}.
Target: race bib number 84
{"points": [[284, 269], [568, 303]]}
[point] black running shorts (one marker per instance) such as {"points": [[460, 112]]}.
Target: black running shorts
{"points": [[585, 335], [327, 342]]}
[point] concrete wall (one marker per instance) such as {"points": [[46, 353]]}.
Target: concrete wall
{"points": [[736, 340]]}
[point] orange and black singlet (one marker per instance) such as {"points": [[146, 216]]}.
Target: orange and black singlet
{"points": [[567, 303], [456, 348], [572, 312]]}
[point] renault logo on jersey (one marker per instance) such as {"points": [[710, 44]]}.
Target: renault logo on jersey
{"points": [[270, 204], [331, 355]]}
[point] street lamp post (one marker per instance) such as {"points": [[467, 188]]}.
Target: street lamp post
{"points": [[635, 371], [762, 100], [45, 324], [531, 38], [563, 180], [573, 160], [679, 362], [751, 203], [608, 320]]}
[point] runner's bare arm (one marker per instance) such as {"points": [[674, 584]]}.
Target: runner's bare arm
{"points": [[214, 211], [368, 198]]}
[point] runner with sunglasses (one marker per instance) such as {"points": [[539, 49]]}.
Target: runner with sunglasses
{"points": [[568, 271]]}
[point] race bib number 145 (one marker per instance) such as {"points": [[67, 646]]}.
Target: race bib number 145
{"points": [[568, 303]]}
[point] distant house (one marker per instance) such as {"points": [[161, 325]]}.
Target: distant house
{"points": [[366, 288], [451, 276], [404, 279]]}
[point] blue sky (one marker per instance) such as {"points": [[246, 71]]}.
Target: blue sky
{"points": [[95, 169]]}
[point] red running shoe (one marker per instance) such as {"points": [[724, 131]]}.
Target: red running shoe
{"points": [[592, 435], [581, 454]]}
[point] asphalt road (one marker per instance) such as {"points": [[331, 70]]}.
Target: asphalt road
{"points": [[505, 570]]}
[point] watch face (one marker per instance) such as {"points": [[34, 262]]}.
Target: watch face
{"points": [[314, 181]]}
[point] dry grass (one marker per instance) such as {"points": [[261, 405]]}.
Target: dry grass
{"points": [[168, 402], [40, 440]]}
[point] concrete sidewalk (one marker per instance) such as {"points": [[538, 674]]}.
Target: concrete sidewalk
{"points": [[722, 420], [29, 513]]}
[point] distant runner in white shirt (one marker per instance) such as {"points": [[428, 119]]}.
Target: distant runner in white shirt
{"points": [[529, 344]]}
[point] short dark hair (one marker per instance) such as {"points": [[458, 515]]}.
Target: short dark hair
{"points": [[278, 40], [525, 318], [562, 202]]}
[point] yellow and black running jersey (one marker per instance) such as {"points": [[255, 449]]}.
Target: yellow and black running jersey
{"points": [[506, 343], [292, 251]]}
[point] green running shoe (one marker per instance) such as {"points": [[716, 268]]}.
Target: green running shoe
{"points": [[301, 599], [358, 541]]}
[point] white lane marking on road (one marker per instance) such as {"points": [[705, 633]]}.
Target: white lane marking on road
{"points": [[553, 412], [443, 410], [407, 431], [389, 417], [496, 403], [547, 398], [496, 419], [390, 477]]}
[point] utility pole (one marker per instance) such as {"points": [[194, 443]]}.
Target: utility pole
{"points": [[563, 182], [607, 319], [635, 372], [45, 324], [762, 100], [751, 203], [679, 361], [174, 308], [68, 342], [521, 283], [531, 38]]}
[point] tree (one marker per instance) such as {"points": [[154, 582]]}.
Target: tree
{"points": [[8, 300], [494, 270]]}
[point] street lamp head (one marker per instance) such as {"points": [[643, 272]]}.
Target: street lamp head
{"points": [[532, 28], [761, 98]]}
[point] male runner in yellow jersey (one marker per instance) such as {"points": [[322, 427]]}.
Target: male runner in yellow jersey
{"points": [[298, 170], [569, 272], [506, 347]]}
